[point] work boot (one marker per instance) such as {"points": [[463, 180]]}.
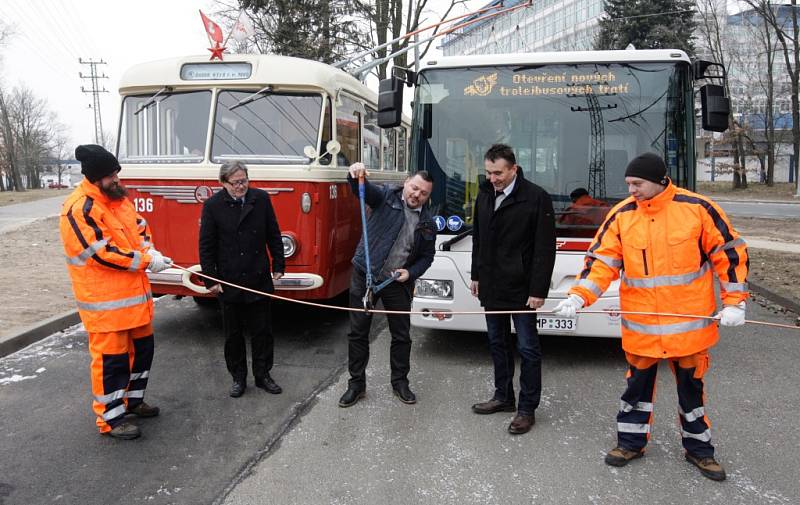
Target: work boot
{"points": [[124, 431], [144, 410], [268, 385], [708, 467], [619, 456]]}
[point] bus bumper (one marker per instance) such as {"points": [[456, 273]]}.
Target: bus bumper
{"points": [[175, 281]]}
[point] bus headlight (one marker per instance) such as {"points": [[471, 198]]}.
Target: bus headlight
{"points": [[305, 203], [434, 288], [289, 245]]}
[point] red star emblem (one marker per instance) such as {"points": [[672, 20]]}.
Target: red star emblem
{"points": [[216, 52]]}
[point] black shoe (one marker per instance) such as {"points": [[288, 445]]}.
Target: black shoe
{"points": [[522, 423], [493, 406], [124, 431], [144, 410], [238, 388], [268, 385], [351, 396], [404, 394]]}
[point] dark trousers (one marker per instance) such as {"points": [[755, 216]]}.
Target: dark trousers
{"points": [[635, 417], [395, 296], [501, 345], [255, 318]]}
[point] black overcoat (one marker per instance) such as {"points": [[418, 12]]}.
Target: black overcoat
{"points": [[513, 248], [234, 240]]}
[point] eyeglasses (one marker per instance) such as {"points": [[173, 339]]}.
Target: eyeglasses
{"points": [[238, 182]]}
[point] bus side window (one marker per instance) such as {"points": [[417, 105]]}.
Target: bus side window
{"points": [[372, 140], [326, 134], [348, 126], [388, 138], [402, 164]]}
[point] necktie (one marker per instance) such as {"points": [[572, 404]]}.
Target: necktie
{"points": [[499, 196]]}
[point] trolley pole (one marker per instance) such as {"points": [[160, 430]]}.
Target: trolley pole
{"points": [[95, 91]]}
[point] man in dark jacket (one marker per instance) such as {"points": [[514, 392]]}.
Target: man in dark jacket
{"points": [[513, 253], [402, 239], [238, 225]]}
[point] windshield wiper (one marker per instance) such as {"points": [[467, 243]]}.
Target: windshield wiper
{"points": [[446, 245], [152, 99], [252, 98]]}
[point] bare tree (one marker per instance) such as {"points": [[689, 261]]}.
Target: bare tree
{"points": [[32, 125], [717, 45], [783, 20], [14, 181]]}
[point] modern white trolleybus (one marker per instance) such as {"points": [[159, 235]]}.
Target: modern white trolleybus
{"points": [[574, 119]]}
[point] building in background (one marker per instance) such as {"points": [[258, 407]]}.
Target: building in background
{"points": [[572, 25], [547, 25]]}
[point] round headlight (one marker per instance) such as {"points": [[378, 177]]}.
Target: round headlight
{"points": [[289, 246], [305, 203]]}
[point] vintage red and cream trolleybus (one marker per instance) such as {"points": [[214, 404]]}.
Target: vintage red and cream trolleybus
{"points": [[297, 124]]}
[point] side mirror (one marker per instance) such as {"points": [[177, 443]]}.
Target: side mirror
{"points": [[332, 147], [390, 102], [715, 108]]}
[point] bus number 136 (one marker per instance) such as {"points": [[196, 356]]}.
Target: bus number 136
{"points": [[143, 204]]}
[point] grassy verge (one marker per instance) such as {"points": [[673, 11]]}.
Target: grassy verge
{"points": [[12, 197], [782, 191]]}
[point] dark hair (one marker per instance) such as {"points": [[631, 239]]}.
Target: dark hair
{"points": [[423, 174], [577, 193], [503, 151]]}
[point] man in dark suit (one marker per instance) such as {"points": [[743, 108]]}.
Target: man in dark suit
{"points": [[513, 254], [238, 225]]}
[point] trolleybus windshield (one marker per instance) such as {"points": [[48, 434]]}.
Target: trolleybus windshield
{"points": [[574, 128], [272, 128], [168, 128]]}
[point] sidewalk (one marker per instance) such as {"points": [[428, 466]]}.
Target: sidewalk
{"points": [[18, 215]]}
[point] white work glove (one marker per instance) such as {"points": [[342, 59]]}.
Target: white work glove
{"points": [[569, 307], [159, 263], [732, 315], [154, 252]]}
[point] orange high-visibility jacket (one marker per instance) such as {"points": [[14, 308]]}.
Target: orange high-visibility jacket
{"points": [[106, 244], [664, 251]]}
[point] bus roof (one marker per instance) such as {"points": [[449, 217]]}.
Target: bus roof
{"points": [[562, 57], [266, 70]]}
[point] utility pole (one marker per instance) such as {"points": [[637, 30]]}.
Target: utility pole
{"points": [[95, 91]]}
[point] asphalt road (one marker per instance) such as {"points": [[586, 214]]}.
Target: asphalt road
{"points": [[20, 214], [437, 452], [771, 210], [50, 451], [301, 448]]}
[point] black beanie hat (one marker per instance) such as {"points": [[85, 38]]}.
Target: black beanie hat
{"points": [[648, 166], [577, 193], [96, 162]]}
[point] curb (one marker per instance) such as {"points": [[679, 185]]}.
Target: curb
{"points": [[734, 200], [27, 336], [785, 302]]}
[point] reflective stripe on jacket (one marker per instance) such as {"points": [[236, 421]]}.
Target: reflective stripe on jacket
{"points": [[106, 244], [665, 251]]}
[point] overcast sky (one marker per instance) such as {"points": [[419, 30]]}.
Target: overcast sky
{"points": [[49, 37]]}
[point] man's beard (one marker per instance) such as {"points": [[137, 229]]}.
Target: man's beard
{"points": [[115, 191]]}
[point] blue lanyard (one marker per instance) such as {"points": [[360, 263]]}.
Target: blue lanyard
{"points": [[371, 288]]}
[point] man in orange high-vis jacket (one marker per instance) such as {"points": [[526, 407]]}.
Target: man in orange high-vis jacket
{"points": [[664, 244], [108, 249]]}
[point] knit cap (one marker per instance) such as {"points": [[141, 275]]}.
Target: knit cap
{"points": [[96, 162], [648, 166]]}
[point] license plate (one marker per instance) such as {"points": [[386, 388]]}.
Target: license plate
{"points": [[556, 323]]}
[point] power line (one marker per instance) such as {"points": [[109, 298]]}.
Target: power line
{"points": [[95, 91]]}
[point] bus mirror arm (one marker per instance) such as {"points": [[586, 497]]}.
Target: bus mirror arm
{"points": [[445, 246], [332, 147]]}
